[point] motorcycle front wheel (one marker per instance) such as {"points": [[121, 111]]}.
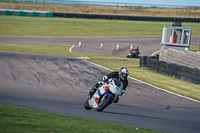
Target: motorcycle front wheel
{"points": [[104, 102]]}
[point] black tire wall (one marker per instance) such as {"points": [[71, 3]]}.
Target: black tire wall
{"points": [[126, 17]]}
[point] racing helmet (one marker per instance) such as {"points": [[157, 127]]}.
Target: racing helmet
{"points": [[123, 73]]}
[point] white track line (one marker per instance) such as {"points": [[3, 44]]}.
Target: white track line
{"points": [[155, 52], [144, 82], [70, 50]]}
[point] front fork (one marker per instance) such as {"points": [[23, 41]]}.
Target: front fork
{"points": [[113, 97]]}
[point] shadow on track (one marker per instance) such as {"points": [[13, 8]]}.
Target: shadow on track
{"points": [[131, 115]]}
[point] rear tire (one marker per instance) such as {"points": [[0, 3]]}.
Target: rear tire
{"points": [[86, 105], [104, 103]]}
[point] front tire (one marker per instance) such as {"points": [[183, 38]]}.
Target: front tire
{"points": [[86, 105], [104, 103]]}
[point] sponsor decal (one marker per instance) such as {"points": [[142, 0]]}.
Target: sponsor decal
{"points": [[97, 100], [99, 93], [106, 88]]}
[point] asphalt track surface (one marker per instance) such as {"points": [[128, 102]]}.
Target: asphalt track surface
{"points": [[147, 45], [60, 84]]}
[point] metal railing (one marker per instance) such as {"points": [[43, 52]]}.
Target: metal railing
{"points": [[99, 3]]}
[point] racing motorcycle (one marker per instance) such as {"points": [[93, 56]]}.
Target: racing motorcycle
{"points": [[105, 95], [134, 53]]}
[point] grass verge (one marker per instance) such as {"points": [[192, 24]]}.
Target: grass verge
{"points": [[195, 48], [36, 26], [166, 82], [18, 119]]}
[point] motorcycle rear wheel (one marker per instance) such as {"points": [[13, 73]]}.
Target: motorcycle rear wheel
{"points": [[104, 103]]}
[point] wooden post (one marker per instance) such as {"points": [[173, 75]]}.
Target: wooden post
{"points": [[99, 5], [83, 4], [52, 3], [60, 2]]}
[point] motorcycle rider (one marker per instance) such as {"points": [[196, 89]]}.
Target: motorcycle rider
{"points": [[121, 75], [134, 53]]}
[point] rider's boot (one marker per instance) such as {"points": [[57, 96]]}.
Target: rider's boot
{"points": [[92, 91], [116, 100]]}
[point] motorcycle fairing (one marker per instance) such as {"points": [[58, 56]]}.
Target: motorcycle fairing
{"points": [[108, 94], [112, 88], [94, 101]]}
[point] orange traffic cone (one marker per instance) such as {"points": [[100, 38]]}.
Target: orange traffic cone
{"points": [[101, 46], [117, 47], [131, 48], [79, 44]]}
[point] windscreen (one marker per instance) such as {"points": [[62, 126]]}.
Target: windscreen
{"points": [[118, 83]]}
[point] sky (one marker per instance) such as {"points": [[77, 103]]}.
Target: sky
{"points": [[156, 2]]}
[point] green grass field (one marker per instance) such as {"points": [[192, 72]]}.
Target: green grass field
{"points": [[16, 119], [35, 26], [22, 120]]}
